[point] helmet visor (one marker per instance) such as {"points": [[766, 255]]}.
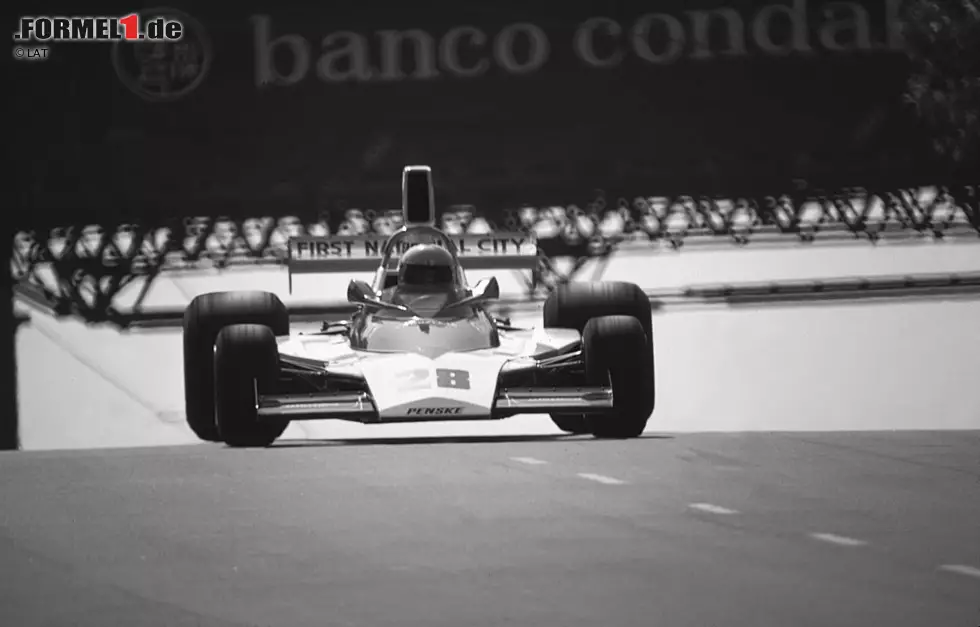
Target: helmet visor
{"points": [[414, 274]]}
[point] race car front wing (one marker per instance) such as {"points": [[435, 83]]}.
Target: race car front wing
{"points": [[359, 407]]}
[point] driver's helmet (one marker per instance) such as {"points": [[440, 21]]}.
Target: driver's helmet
{"points": [[427, 266]]}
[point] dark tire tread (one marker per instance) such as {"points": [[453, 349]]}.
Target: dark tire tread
{"points": [[204, 318], [246, 359], [574, 305]]}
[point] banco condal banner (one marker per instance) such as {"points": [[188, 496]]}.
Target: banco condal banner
{"points": [[510, 103]]}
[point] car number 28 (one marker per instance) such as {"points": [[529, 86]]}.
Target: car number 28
{"points": [[421, 379], [459, 379]]}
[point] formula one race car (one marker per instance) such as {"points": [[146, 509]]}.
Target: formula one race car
{"points": [[421, 345]]}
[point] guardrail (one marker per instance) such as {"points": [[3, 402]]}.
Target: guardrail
{"points": [[852, 289]]}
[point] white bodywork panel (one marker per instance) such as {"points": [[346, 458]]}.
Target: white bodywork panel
{"points": [[462, 384], [408, 385]]}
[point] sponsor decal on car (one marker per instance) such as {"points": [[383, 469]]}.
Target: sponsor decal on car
{"points": [[433, 411]]}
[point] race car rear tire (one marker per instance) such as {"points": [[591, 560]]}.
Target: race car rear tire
{"points": [[572, 305], [613, 350], [246, 362], [204, 318]]}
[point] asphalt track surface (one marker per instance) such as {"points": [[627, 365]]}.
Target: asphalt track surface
{"points": [[699, 530]]}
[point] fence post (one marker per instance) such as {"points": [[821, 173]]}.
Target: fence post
{"points": [[9, 420]]}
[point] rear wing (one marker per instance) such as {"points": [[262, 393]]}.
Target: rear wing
{"points": [[362, 253]]}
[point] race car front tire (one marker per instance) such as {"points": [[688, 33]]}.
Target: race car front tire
{"points": [[246, 361], [573, 305], [204, 318], [613, 350], [574, 424]]}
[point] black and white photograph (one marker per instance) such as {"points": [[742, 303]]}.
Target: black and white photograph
{"points": [[637, 313]]}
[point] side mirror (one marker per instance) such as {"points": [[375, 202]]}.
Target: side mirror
{"points": [[360, 293], [485, 290]]}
